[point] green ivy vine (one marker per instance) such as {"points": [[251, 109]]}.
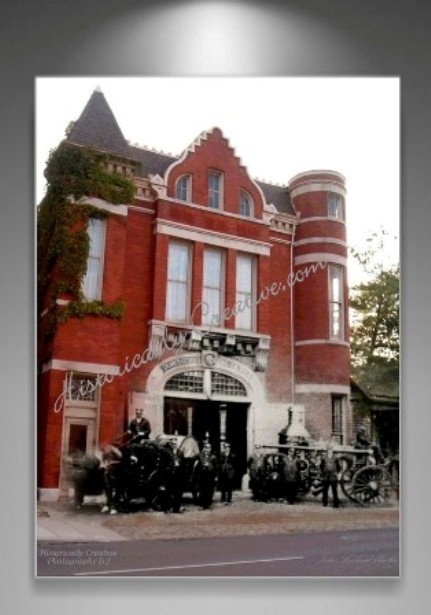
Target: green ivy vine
{"points": [[62, 239]]}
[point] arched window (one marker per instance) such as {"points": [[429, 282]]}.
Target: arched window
{"points": [[182, 188], [245, 204], [192, 382]]}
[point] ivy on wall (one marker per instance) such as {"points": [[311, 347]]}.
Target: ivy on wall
{"points": [[62, 239]]}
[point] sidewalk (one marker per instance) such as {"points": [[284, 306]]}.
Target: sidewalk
{"points": [[59, 521]]}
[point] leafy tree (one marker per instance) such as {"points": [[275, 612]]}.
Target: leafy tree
{"points": [[375, 305]]}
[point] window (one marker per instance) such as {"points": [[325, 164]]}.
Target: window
{"points": [[336, 311], [244, 291], [192, 382], [335, 206], [177, 298], [245, 204], [92, 281], [212, 287], [215, 190], [80, 387], [222, 384], [337, 419], [182, 188]]}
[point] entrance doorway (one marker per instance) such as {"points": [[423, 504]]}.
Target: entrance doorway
{"points": [[203, 419], [79, 434]]}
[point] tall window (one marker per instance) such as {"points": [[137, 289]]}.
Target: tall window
{"points": [[335, 206], [244, 292], [245, 204], [337, 418], [336, 293], [92, 281], [177, 299], [215, 181], [212, 287], [182, 188]]}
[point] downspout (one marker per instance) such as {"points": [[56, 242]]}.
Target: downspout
{"points": [[292, 328]]}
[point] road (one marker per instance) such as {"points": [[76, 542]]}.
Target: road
{"points": [[359, 553]]}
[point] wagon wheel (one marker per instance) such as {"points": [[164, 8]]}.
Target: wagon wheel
{"points": [[159, 495], [371, 485], [346, 479]]}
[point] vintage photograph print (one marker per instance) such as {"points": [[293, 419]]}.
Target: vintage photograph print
{"points": [[217, 327]]}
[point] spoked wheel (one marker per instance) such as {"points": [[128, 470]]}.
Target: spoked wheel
{"points": [[371, 485], [159, 494], [346, 478]]}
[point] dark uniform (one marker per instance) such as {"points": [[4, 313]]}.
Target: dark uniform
{"points": [[177, 478], [226, 474], [363, 442], [291, 477], [330, 467], [206, 470], [139, 426], [112, 477]]}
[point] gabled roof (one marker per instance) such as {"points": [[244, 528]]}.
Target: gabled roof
{"points": [[375, 401], [98, 129]]}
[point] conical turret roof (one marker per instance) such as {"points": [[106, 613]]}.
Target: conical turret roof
{"points": [[97, 127]]}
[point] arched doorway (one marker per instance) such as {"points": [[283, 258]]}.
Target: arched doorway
{"points": [[209, 404]]}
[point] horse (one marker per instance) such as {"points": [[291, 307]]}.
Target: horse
{"points": [[142, 474], [86, 474]]}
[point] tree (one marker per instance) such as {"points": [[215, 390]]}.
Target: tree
{"points": [[375, 305]]}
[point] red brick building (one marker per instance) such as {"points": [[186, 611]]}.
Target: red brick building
{"points": [[235, 295]]}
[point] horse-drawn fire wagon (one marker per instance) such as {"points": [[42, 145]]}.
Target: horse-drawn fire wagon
{"points": [[362, 479], [155, 473]]}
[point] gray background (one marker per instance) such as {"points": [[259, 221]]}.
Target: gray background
{"points": [[125, 37]]}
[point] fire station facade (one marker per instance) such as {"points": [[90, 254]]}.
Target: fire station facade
{"points": [[236, 309]]}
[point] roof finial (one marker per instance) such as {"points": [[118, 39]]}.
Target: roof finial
{"points": [[98, 88]]}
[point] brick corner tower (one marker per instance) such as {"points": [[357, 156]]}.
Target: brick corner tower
{"points": [[321, 329]]}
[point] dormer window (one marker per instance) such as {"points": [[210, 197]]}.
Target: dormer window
{"points": [[335, 206], [245, 204], [215, 188], [182, 188]]}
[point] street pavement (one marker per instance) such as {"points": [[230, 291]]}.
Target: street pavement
{"points": [[60, 522], [357, 553]]}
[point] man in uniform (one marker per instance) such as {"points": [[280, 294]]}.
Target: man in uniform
{"points": [[291, 476], [111, 462], [139, 427], [206, 474], [330, 469], [363, 442], [226, 473]]}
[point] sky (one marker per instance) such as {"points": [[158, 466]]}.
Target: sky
{"points": [[278, 126]]}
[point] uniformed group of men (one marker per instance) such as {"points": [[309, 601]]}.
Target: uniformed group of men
{"points": [[211, 470], [218, 470]]}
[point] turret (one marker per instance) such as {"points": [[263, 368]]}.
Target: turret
{"points": [[321, 329]]}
